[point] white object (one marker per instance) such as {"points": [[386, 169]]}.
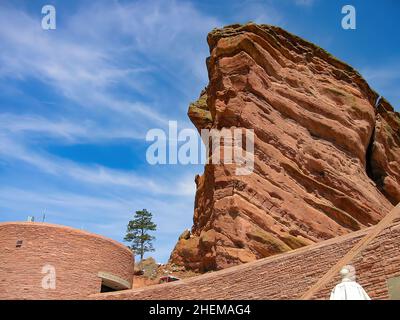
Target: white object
{"points": [[348, 289]]}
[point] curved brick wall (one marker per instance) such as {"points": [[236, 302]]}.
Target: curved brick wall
{"points": [[78, 258]]}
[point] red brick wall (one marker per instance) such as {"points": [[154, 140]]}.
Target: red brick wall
{"points": [[289, 275], [76, 255]]}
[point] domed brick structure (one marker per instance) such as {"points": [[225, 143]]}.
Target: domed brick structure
{"points": [[46, 261]]}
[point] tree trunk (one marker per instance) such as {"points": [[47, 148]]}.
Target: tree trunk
{"points": [[142, 247]]}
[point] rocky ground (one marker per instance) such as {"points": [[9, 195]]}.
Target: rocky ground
{"points": [[149, 272]]}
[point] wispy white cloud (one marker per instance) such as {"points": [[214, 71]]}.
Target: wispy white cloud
{"points": [[94, 174], [29, 127], [382, 75], [81, 61], [15, 124], [126, 45], [116, 69], [60, 201]]}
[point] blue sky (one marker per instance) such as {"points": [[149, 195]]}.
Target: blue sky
{"points": [[77, 102]]}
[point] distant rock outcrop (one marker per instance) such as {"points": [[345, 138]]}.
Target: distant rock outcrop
{"points": [[327, 150]]}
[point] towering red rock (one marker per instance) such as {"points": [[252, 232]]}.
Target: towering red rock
{"points": [[327, 150]]}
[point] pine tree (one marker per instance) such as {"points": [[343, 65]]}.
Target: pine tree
{"points": [[137, 232]]}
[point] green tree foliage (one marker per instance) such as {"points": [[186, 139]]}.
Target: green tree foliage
{"points": [[137, 232]]}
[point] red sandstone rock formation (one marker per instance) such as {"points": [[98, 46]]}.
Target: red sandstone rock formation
{"points": [[327, 150]]}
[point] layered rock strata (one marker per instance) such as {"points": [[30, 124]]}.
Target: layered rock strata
{"points": [[327, 150]]}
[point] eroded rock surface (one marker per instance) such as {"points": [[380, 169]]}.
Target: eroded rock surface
{"points": [[327, 150]]}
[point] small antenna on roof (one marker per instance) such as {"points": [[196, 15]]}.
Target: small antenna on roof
{"points": [[44, 216]]}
